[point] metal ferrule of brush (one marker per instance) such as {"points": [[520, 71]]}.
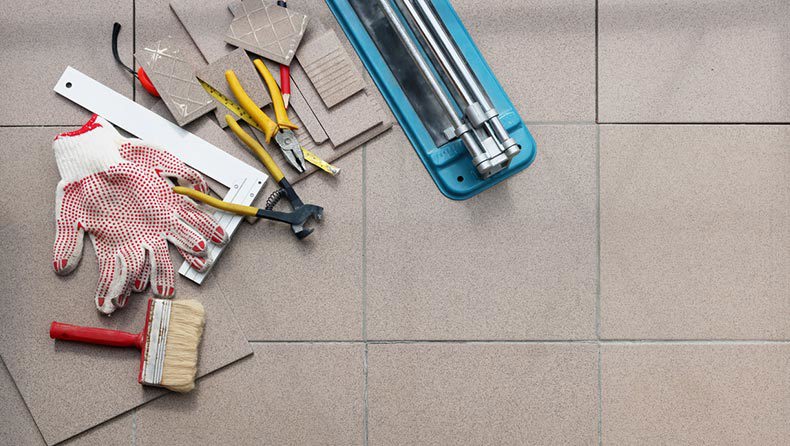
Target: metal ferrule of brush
{"points": [[153, 355]]}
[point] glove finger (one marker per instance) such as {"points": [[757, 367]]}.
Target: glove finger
{"points": [[67, 250], [199, 264], [163, 163], [203, 222], [141, 282], [162, 273], [112, 279], [186, 238], [133, 260]]}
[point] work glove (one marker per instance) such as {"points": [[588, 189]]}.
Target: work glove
{"points": [[116, 189]]}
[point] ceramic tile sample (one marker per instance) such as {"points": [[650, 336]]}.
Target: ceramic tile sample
{"points": [[681, 61], [516, 262], [90, 383], [38, 44], [173, 76], [504, 394], [695, 394], [329, 68], [206, 23], [268, 30], [285, 289], [542, 52], [286, 394], [695, 232]]}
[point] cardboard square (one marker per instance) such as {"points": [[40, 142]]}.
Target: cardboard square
{"points": [[268, 30], [70, 387], [238, 61], [329, 68]]}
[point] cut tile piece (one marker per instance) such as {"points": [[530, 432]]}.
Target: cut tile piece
{"points": [[40, 39], [90, 383], [286, 394], [238, 61], [299, 105], [542, 52], [173, 76], [206, 23], [313, 288], [706, 61], [516, 262], [503, 394], [695, 232], [329, 68], [695, 394], [268, 30]]}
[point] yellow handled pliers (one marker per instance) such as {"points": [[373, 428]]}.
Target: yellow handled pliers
{"points": [[282, 130]]}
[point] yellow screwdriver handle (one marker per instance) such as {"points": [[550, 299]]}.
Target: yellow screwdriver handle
{"points": [[277, 98], [256, 147], [270, 128], [215, 203]]}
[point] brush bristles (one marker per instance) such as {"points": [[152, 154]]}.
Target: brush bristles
{"points": [[187, 319]]}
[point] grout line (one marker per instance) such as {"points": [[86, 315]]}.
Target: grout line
{"points": [[365, 399], [134, 48], [528, 123], [34, 126], [598, 276], [539, 341], [597, 118], [698, 123], [600, 398], [364, 242], [134, 427]]}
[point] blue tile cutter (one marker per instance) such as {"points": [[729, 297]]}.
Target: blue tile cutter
{"points": [[457, 116]]}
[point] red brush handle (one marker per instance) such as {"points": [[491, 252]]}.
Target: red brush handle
{"points": [[90, 335]]}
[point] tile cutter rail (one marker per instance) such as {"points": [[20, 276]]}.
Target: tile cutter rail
{"points": [[460, 121]]}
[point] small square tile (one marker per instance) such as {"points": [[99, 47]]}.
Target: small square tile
{"points": [[286, 394], [695, 233], [518, 261], [41, 39], [696, 394], [491, 393], [701, 61]]}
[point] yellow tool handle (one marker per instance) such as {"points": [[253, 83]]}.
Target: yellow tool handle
{"points": [[256, 147], [270, 128], [277, 98], [239, 209]]}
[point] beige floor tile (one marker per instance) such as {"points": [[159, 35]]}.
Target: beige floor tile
{"points": [[286, 394], [542, 51], [503, 394], [516, 262], [695, 232], [285, 289], [40, 39], [700, 61], [696, 394]]}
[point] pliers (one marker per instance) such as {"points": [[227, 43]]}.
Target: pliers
{"points": [[282, 129]]}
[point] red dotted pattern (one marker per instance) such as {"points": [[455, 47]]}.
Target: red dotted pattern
{"points": [[90, 125], [130, 213]]}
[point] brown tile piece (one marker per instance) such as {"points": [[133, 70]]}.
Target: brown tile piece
{"points": [[329, 68], [267, 29], [695, 233], [516, 262], [91, 384], [462, 393], [286, 394], [173, 76], [695, 394]]}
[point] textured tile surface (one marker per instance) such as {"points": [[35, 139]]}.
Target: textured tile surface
{"points": [[695, 232], [694, 61], [696, 394], [542, 51], [267, 29], [504, 394], [90, 383], [329, 68], [516, 262], [285, 289], [286, 394], [40, 39]]}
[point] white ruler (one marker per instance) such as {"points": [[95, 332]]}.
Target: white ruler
{"points": [[244, 181]]}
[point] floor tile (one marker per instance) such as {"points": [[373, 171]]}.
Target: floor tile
{"points": [[696, 394], [701, 61], [542, 51], [515, 262], [89, 383], [286, 394], [282, 288], [40, 39], [503, 394], [695, 232]]}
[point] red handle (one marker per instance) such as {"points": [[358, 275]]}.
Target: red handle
{"points": [[90, 335], [285, 79]]}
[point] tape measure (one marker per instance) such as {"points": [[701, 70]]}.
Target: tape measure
{"points": [[309, 156]]}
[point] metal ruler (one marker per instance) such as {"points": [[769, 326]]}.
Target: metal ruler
{"points": [[309, 156]]}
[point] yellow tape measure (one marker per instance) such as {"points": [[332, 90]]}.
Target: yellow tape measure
{"points": [[309, 156]]}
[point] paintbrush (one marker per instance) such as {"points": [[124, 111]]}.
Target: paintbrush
{"points": [[168, 342]]}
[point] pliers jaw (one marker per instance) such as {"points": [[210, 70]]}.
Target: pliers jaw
{"points": [[291, 149]]}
